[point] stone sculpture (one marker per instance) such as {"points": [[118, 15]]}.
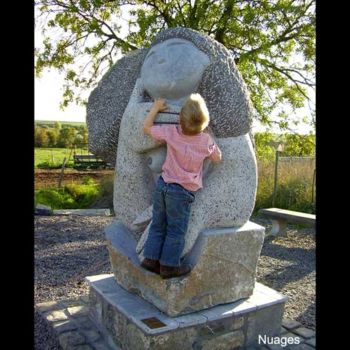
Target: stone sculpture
{"points": [[180, 61]]}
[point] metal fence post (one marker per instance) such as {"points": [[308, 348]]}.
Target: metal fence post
{"points": [[313, 186], [275, 180], [62, 170]]}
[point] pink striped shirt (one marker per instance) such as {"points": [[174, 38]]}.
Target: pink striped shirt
{"points": [[185, 155]]}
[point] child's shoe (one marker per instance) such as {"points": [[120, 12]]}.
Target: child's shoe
{"points": [[174, 271], [151, 265]]}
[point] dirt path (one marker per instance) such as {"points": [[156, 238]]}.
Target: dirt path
{"points": [[49, 178]]}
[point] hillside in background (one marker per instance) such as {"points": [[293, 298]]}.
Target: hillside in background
{"points": [[51, 123]]}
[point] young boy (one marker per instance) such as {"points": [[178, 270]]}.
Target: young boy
{"points": [[187, 148]]}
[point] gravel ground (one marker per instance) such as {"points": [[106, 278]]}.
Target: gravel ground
{"points": [[69, 248], [288, 265]]}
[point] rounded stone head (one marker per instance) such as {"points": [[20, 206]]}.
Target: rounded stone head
{"points": [[173, 70]]}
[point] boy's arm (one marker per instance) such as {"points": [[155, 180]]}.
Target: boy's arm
{"points": [[158, 105]]}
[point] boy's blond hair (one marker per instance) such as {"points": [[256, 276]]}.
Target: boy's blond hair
{"points": [[194, 115]]}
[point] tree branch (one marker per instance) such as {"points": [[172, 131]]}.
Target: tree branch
{"points": [[167, 18], [290, 78], [219, 36], [99, 63], [88, 19], [181, 13]]}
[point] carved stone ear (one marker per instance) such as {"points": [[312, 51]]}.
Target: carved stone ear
{"points": [[107, 103], [223, 89]]}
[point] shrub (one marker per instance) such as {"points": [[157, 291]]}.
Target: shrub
{"points": [[105, 195], [87, 180], [84, 195], [55, 198], [72, 196]]}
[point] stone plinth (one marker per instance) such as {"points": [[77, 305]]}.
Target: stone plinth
{"points": [[83, 212], [224, 267], [132, 323]]}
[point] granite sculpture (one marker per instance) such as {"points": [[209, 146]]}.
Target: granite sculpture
{"points": [[180, 61]]}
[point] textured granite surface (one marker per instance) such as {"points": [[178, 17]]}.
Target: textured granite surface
{"points": [[224, 265]]}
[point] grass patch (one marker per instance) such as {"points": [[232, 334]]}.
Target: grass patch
{"points": [[294, 190], [71, 196], [52, 158], [105, 193]]}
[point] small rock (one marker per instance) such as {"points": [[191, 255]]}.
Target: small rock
{"points": [[41, 209]]}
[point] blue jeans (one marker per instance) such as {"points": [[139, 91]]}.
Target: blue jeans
{"points": [[171, 213]]}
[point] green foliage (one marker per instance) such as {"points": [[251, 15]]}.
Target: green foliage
{"points": [[60, 136], [56, 199], [53, 137], [41, 138], [83, 195], [81, 138], [66, 137], [70, 197], [262, 147], [87, 180], [263, 36], [299, 145], [57, 126], [295, 145]]}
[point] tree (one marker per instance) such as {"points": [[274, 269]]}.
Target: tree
{"points": [[273, 42], [81, 138], [57, 126], [83, 133], [53, 136], [67, 137], [294, 145], [299, 145], [262, 145], [40, 137]]}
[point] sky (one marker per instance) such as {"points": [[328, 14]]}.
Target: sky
{"points": [[49, 90], [48, 95]]}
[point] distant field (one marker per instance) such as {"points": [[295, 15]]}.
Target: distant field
{"points": [[52, 122], [54, 156]]}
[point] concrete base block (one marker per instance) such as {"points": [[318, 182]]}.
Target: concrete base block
{"points": [[83, 212], [129, 322], [224, 268]]}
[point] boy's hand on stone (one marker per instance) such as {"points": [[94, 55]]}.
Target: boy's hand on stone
{"points": [[160, 105]]}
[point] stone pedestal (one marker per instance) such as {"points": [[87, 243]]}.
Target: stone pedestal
{"points": [[218, 305], [130, 322], [224, 266]]}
